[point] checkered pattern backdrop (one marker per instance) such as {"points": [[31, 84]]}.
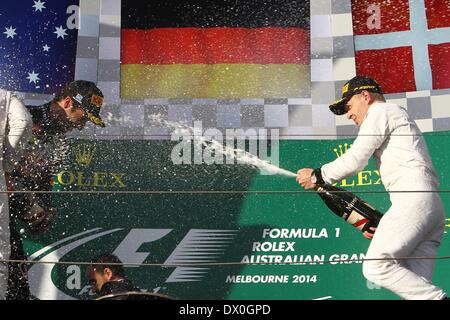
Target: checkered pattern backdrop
{"points": [[332, 64]]}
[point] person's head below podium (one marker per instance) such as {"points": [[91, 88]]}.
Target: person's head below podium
{"points": [[106, 276]]}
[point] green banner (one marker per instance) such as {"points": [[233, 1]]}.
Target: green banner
{"points": [[217, 231]]}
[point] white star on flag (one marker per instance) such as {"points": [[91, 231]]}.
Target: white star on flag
{"points": [[33, 77], [46, 48], [60, 32], [10, 32], [38, 5]]}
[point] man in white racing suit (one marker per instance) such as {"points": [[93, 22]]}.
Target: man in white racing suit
{"points": [[15, 130], [414, 224]]}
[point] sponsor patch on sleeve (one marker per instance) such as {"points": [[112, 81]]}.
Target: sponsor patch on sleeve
{"points": [[97, 100]]}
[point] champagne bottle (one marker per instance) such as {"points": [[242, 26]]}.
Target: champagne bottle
{"points": [[349, 207]]}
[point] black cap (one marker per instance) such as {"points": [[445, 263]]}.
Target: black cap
{"points": [[88, 96], [352, 87]]}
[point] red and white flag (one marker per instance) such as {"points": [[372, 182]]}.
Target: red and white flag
{"points": [[404, 45]]}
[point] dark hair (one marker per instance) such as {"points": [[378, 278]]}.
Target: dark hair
{"points": [[110, 261]]}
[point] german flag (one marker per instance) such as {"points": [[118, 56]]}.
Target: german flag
{"points": [[215, 49]]}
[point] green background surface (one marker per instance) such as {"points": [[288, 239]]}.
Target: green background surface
{"points": [[243, 200]]}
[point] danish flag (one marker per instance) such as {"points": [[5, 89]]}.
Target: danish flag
{"points": [[404, 45]]}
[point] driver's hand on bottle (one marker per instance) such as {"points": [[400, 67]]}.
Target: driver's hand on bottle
{"points": [[369, 235], [304, 178]]}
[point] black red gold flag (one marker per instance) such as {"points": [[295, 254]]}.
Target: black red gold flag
{"points": [[215, 49]]}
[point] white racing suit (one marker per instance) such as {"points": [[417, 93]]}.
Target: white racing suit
{"points": [[15, 130], [414, 224]]}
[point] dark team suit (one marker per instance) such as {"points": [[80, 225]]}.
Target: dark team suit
{"points": [[45, 155], [117, 286]]}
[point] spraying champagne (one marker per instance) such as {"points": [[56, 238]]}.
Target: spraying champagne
{"points": [[349, 207]]}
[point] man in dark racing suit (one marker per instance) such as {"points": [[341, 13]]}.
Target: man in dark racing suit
{"points": [[45, 155]]}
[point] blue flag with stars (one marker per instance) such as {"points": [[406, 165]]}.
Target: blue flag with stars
{"points": [[38, 42]]}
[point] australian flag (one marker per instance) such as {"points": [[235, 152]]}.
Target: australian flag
{"points": [[38, 41]]}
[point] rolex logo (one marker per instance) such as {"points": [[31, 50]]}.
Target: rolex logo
{"points": [[84, 154], [341, 149]]}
